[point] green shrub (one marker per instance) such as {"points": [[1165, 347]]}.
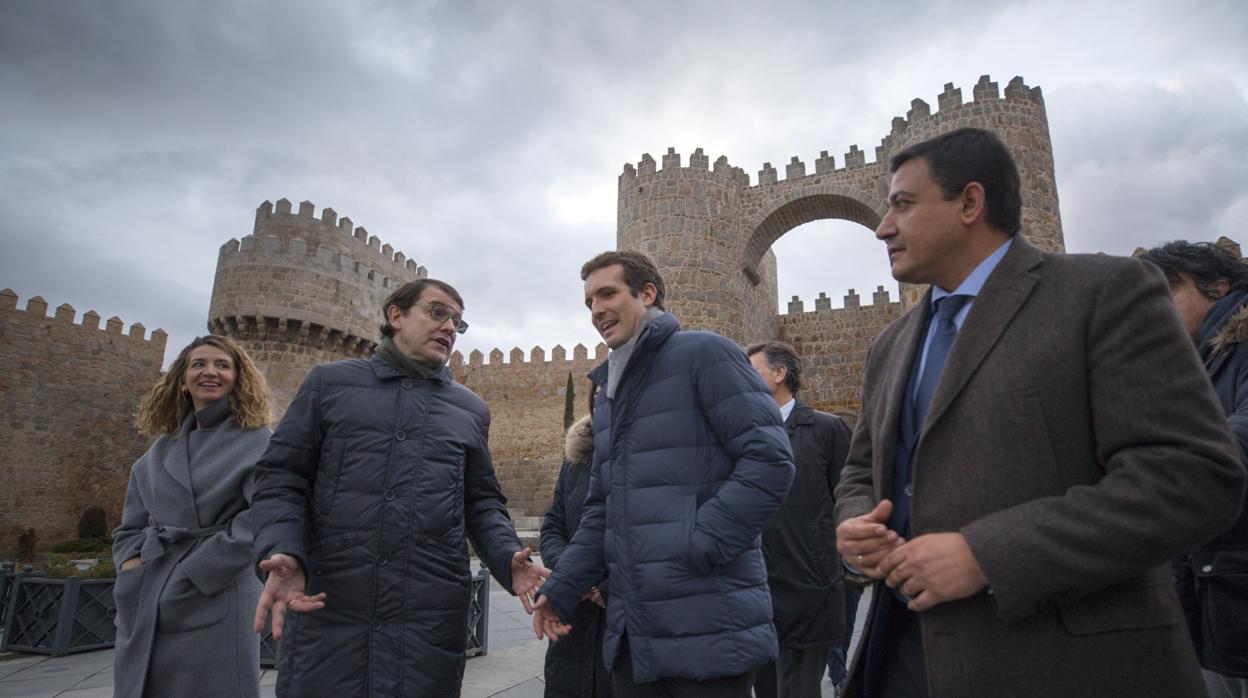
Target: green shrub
{"points": [[92, 524], [59, 567], [84, 545]]}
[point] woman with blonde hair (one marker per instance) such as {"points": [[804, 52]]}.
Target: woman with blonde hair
{"points": [[185, 586]]}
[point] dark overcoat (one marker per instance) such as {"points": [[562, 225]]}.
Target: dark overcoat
{"points": [[574, 666], [691, 462], [1213, 579], [184, 616], [803, 569], [1075, 441], [373, 480]]}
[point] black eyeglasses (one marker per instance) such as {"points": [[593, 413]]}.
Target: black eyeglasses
{"points": [[440, 313]]}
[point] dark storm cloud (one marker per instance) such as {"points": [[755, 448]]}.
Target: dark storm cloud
{"points": [[484, 139]]}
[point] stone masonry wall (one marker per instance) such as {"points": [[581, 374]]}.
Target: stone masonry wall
{"points": [[833, 345], [526, 400], [302, 290], [69, 393]]}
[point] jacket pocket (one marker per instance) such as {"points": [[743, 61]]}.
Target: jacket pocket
{"points": [[1222, 586], [183, 607], [1141, 603], [126, 598], [327, 477], [697, 558]]}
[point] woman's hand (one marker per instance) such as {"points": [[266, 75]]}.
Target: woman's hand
{"points": [[131, 563]]}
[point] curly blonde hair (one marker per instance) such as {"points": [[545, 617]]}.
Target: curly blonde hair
{"points": [[164, 408]]}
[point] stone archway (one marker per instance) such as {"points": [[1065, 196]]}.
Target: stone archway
{"points": [[786, 213]]}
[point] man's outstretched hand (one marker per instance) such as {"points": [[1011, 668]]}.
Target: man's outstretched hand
{"points": [[526, 577], [546, 622], [283, 589]]}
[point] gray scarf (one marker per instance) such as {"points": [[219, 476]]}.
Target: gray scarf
{"points": [[409, 366], [617, 359]]}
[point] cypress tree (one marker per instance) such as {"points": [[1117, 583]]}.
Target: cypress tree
{"points": [[568, 398]]}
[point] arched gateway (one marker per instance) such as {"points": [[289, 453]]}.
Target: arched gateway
{"points": [[710, 232]]}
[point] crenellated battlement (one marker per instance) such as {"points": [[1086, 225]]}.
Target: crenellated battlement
{"points": [[1019, 98], [334, 232], [320, 256], [851, 302], [536, 357], [37, 310]]}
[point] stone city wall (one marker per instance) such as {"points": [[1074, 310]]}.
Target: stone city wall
{"points": [[526, 398], [69, 393]]}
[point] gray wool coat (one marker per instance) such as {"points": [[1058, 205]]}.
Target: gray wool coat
{"points": [[184, 616]]}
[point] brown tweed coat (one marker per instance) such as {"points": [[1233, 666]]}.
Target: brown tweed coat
{"points": [[1076, 443]]}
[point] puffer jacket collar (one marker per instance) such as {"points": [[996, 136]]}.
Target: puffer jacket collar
{"points": [[385, 371], [653, 335]]}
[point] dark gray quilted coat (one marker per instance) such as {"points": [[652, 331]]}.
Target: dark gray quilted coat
{"points": [[373, 479], [691, 462]]}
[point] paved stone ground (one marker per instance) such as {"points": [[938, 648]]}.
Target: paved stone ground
{"points": [[512, 667]]}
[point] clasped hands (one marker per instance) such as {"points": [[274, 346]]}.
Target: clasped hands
{"points": [[932, 569]]}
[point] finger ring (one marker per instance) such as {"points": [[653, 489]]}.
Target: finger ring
{"points": [[860, 560]]}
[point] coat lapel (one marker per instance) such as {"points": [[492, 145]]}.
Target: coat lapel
{"points": [[175, 460], [1000, 299]]}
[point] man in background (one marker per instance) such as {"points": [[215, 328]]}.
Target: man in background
{"points": [[1209, 285], [803, 569]]}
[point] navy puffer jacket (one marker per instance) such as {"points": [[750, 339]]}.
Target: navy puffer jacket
{"points": [[372, 480], [691, 462]]}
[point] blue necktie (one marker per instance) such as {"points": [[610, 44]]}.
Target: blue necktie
{"points": [[942, 339]]}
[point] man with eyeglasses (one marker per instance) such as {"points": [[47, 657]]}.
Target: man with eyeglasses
{"points": [[377, 473]]}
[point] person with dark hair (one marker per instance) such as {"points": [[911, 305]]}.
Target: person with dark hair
{"points": [[1037, 441], [1209, 285], [803, 570], [691, 463], [372, 483], [574, 666], [184, 592]]}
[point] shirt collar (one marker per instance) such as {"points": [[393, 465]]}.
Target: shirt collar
{"points": [[975, 280], [786, 409]]}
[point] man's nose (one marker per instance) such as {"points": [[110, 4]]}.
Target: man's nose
{"points": [[886, 229]]}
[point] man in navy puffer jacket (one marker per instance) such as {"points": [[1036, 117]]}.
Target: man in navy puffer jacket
{"points": [[691, 462]]}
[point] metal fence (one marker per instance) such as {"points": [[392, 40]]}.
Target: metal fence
{"points": [[57, 616], [61, 616]]}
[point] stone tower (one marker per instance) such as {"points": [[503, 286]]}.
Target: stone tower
{"points": [[300, 291], [710, 232]]}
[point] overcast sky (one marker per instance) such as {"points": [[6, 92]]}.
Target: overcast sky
{"points": [[484, 139]]}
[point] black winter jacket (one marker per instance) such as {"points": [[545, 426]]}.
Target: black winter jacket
{"points": [[372, 480], [803, 569], [691, 462], [1213, 580], [574, 666]]}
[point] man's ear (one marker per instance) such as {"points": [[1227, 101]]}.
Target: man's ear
{"points": [[393, 315], [973, 202], [781, 373], [1219, 288], [649, 292]]}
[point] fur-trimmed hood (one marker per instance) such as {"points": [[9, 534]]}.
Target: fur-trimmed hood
{"points": [[1234, 331], [578, 445]]}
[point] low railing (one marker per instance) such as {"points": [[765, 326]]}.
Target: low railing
{"points": [[61, 616]]}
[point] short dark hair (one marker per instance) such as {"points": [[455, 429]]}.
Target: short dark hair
{"points": [[957, 158], [1205, 263], [407, 295], [780, 354], [638, 271]]}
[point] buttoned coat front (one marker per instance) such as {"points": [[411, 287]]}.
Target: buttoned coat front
{"points": [[184, 616], [376, 481], [1076, 443]]}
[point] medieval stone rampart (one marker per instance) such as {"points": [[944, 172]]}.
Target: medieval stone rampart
{"points": [[69, 391], [526, 396], [302, 290], [833, 345]]}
